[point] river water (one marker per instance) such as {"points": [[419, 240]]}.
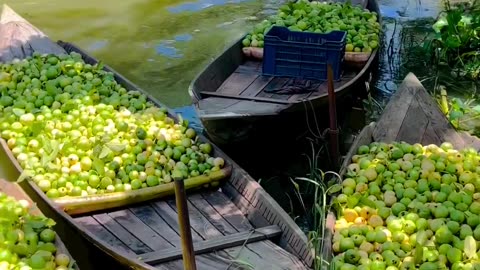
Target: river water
{"points": [[162, 45]]}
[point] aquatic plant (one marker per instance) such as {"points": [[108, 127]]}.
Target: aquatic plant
{"points": [[456, 39]]}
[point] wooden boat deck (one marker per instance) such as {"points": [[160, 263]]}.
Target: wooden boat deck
{"points": [[150, 232], [246, 91], [247, 81]]}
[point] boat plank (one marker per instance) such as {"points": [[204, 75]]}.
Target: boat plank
{"points": [[258, 255], [235, 96], [322, 89], [139, 229], [216, 103], [198, 222], [414, 124], [242, 108], [437, 119], [14, 190], [394, 112], [211, 214], [253, 214], [228, 210], [275, 83], [430, 136], [20, 38], [282, 96], [148, 215], [257, 86], [203, 262], [171, 217], [265, 255], [237, 83], [255, 108], [99, 231], [214, 244], [250, 67], [122, 234]]}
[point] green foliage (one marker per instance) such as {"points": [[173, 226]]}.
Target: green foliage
{"points": [[456, 39], [464, 115], [315, 186]]}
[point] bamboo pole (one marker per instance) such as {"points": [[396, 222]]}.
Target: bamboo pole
{"points": [[184, 226], [332, 106]]}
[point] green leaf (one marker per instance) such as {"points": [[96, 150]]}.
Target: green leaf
{"points": [[116, 147], [18, 112], [418, 254], [476, 108], [320, 210], [24, 175], [105, 152], [100, 65], [453, 42], [352, 201], [52, 148], [99, 166], [470, 247], [437, 26], [367, 202], [50, 223], [334, 188], [454, 115], [97, 150], [458, 186]]}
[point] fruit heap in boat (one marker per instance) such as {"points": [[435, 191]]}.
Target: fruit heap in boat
{"points": [[409, 207], [76, 132], [361, 25], [27, 242]]}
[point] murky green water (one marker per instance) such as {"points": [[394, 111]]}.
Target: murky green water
{"points": [[160, 45]]}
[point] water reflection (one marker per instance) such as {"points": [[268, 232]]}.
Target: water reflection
{"points": [[183, 37], [199, 5], [166, 49]]}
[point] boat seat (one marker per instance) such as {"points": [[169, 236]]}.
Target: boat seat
{"points": [[217, 107]]}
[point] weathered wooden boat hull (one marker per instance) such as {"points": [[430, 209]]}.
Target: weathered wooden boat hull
{"points": [[412, 116], [234, 119], [290, 123], [238, 221]]}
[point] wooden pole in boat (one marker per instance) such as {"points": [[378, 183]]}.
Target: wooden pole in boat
{"points": [[332, 106], [184, 225]]}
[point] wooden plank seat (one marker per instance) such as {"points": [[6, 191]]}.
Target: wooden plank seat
{"points": [[220, 232]]}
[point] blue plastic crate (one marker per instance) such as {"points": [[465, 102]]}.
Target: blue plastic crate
{"points": [[303, 55]]}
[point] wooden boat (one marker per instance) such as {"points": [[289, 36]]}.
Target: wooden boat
{"points": [[237, 222], [14, 190], [412, 116], [233, 102]]}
